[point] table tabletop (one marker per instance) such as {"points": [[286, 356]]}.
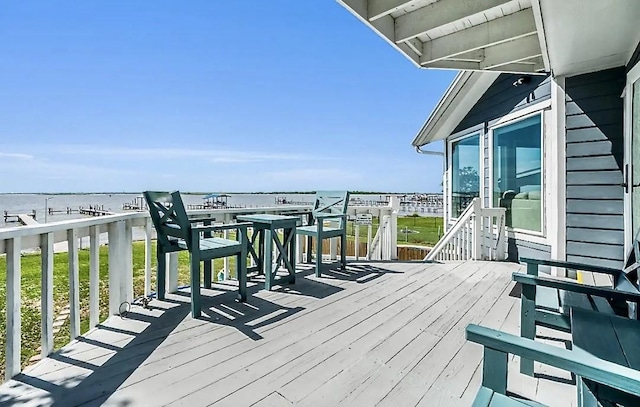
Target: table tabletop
{"points": [[266, 218], [608, 337]]}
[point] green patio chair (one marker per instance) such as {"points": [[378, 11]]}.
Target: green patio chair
{"points": [[600, 382], [176, 233], [547, 301], [331, 207]]}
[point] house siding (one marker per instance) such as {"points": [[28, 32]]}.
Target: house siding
{"points": [[503, 98], [500, 99], [594, 165]]}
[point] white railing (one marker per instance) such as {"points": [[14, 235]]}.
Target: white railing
{"points": [[384, 245], [478, 234], [119, 231]]}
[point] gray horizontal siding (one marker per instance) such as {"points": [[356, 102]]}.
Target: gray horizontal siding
{"points": [[519, 248], [503, 98], [595, 152]]}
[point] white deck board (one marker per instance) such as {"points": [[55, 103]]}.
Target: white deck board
{"points": [[387, 333]]}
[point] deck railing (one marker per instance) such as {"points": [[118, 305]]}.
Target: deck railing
{"points": [[478, 234], [118, 232]]}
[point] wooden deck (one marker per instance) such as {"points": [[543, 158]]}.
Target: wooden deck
{"points": [[388, 334]]}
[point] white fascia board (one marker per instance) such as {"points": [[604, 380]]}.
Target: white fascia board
{"points": [[463, 93]]}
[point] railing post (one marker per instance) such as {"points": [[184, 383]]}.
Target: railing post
{"points": [[227, 219], [333, 249], [14, 322], [356, 228], [172, 272], [394, 203], [147, 257], [94, 276], [116, 265], [477, 231], [74, 284], [46, 301], [127, 286]]}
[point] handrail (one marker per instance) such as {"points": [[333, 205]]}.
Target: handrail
{"points": [[473, 235]]}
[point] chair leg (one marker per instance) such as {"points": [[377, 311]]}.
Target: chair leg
{"points": [[161, 275], [527, 323], [241, 273], [309, 246], [343, 250], [318, 256], [196, 306]]}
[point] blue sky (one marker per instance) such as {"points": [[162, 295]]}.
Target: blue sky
{"points": [[209, 96]]}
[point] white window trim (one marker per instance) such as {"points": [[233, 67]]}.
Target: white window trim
{"points": [[632, 76], [505, 121], [450, 142]]}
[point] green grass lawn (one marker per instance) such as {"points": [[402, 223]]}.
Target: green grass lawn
{"points": [[427, 234], [422, 230], [31, 289]]}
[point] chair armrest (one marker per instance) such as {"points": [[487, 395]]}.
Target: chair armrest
{"points": [[575, 287], [571, 266], [581, 363], [227, 226]]}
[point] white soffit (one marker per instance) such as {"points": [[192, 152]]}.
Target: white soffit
{"points": [[589, 35], [480, 35], [463, 93]]}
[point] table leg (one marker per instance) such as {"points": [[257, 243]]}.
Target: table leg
{"points": [[267, 262], [208, 268], [292, 253], [262, 252]]}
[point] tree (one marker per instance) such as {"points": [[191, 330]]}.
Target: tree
{"points": [[468, 180]]}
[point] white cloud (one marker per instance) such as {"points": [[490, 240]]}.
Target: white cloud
{"points": [[19, 156], [211, 155]]}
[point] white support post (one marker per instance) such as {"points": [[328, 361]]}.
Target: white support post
{"points": [[147, 257], [299, 250], [226, 259], [369, 229], [116, 265], [333, 249], [172, 272], [357, 241], [127, 286], [74, 283], [94, 276], [14, 322], [46, 300], [394, 202]]}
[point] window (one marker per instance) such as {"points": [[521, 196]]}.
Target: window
{"points": [[517, 172], [465, 173]]}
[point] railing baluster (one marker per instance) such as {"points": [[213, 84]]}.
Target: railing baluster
{"points": [[94, 276], [147, 257], [46, 300], [74, 283], [12, 355]]}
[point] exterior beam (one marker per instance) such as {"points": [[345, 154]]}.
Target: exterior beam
{"points": [[380, 8], [438, 14], [513, 51], [500, 30]]}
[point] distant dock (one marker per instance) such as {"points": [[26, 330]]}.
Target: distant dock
{"points": [[94, 210], [25, 219]]}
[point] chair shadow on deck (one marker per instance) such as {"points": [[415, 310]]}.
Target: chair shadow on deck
{"points": [[92, 380], [359, 273]]}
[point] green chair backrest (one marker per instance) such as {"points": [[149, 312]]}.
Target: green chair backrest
{"points": [[333, 202], [169, 218]]}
